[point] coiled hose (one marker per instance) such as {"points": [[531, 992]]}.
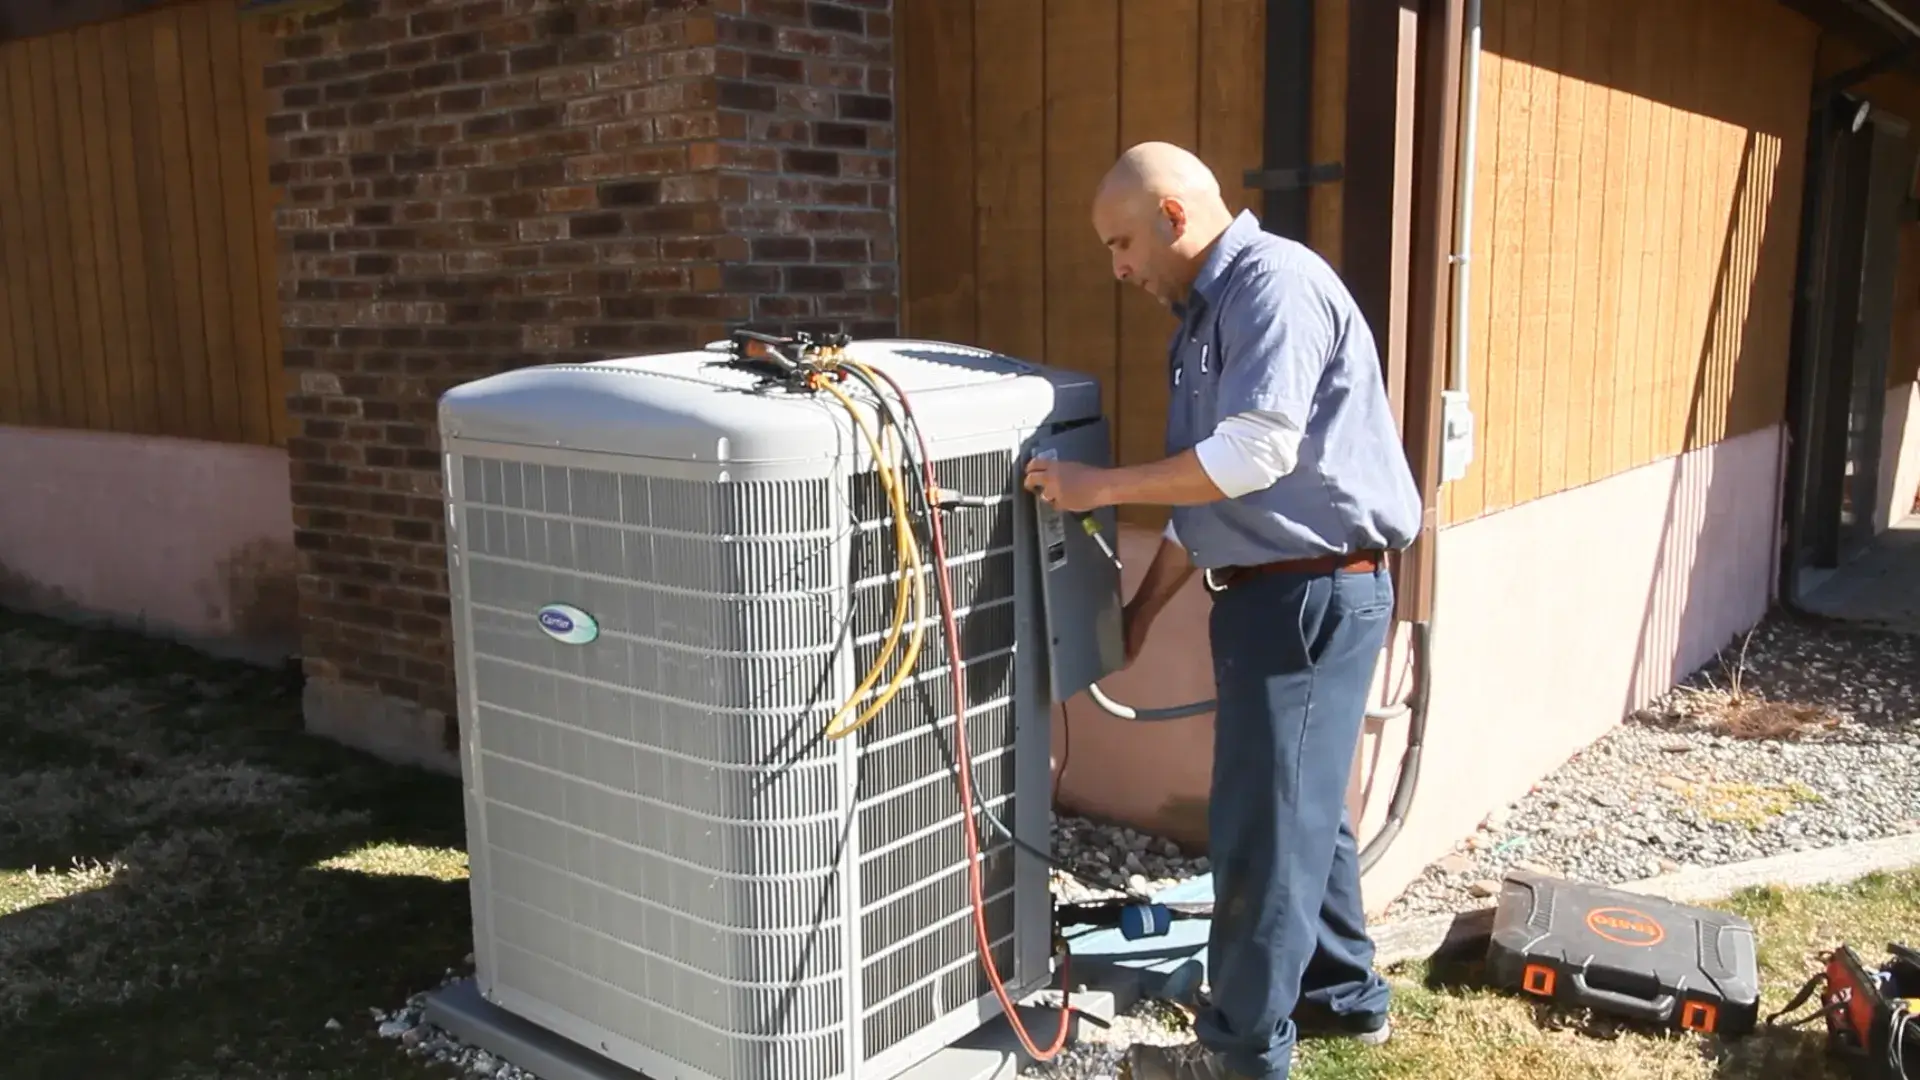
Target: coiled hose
{"points": [[1415, 708]]}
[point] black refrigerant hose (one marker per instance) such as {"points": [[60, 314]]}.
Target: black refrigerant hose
{"points": [[1415, 708]]}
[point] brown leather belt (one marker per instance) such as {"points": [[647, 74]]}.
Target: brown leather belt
{"points": [[1226, 577]]}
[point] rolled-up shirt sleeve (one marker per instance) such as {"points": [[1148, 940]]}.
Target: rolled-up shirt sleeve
{"points": [[1248, 451]]}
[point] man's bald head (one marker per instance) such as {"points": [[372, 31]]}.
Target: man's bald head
{"points": [[1155, 170], [1158, 210]]}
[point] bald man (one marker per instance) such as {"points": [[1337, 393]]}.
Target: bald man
{"points": [[1288, 486]]}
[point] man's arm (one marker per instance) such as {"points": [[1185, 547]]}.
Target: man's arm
{"points": [[1279, 339], [1170, 569], [1246, 453], [1180, 480]]}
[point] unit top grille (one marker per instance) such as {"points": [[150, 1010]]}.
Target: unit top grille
{"points": [[692, 407]]}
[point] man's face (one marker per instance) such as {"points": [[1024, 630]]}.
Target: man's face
{"points": [[1140, 237]]}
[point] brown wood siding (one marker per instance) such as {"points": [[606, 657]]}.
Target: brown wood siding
{"points": [[1010, 112], [1327, 130], [138, 288], [1637, 196]]}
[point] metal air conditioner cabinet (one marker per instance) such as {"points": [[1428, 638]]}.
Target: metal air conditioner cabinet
{"points": [[664, 582]]}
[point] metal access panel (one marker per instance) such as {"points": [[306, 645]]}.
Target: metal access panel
{"points": [[1080, 574]]}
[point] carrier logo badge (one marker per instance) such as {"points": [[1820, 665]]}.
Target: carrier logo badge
{"points": [[1625, 926], [568, 624]]}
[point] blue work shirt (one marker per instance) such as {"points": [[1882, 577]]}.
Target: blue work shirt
{"points": [[1268, 325]]}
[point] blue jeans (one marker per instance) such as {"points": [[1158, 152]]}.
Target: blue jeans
{"points": [[1294, 657]]}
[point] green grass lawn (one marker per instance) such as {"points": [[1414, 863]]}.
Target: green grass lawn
{"points": [[190, 887], [1447, 1027]]}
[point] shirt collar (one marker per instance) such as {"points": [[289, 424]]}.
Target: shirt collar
{"points": [[1213, 270]]}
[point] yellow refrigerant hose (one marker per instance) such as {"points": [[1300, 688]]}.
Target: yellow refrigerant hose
{"points": [[907, 559]]}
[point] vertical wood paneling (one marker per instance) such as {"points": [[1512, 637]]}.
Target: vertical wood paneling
{"points": [[1159, 101], [1691, 288], [1585, 49], [69, 128], [1535, 299], [1082, 139], [1634, 60], [253, 66], [1656, 325], [136, 238], [1233, 36], [1463, 499], [1639, 179], [1512, 139], [1010, 176], [176, 158], [1611, 58], [68, 365], [130, 234], [1562, 34], [229, 119], [17, 345], [1011, 112], [150, 168], [27, 244], [1327, 134], [115, 372], [209, 212], [936, 169]]}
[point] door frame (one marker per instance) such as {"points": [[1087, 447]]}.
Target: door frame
{"points": [[1860, 172]]}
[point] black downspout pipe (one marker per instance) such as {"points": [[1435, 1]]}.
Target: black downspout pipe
{"points": [[1805, 348], [1287, 139]]}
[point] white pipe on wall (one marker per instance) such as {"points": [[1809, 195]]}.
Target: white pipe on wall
{"points": [[1463, 188], [1456, 401], [1890, 12]]}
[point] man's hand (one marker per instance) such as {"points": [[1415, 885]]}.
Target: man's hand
{"points": [[1136, 621], [1168, 571], [1067, 485]]}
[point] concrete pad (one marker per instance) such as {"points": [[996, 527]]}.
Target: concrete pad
{"points": [[1467, 931], [1881, 588], [991, 1053]]}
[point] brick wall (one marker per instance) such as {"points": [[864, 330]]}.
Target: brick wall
{"points": [[470, 187]]}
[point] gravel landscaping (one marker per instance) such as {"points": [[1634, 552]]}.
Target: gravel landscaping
{"points": [[1805, 735]]}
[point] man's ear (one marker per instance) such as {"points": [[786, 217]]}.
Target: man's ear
{"points": [[1171, 221]]}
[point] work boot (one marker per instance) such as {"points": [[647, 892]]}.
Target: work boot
{"points": [[1315, 1023], [1188, 1062]]}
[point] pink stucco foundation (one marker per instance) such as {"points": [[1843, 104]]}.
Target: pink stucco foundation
{"points": [[184, 539], [1553, 620]]}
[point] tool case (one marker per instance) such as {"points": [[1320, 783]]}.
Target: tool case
{"points": [[1872, 1016], [1633, 956]]}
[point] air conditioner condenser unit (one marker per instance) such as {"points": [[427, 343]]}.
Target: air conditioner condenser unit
{"points": [[669, 574]]}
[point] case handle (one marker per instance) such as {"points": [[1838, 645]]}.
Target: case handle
{"points": [[1657, 1010]]}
